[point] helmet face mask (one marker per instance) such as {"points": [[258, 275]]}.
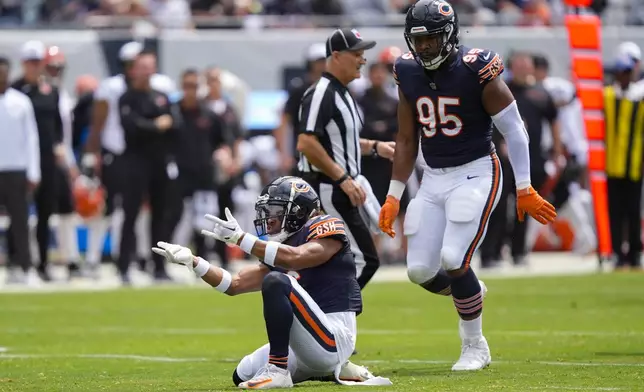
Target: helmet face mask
{"points": [[431, 32], [284, 207]]}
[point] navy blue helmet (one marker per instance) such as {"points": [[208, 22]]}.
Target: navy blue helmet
{"points": [[431, 32], [284, 207]]}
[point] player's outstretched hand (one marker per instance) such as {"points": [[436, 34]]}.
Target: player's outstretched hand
{"points": [[388, 214], [530, 202], [174, 253], [387, 150], [225, 230]]}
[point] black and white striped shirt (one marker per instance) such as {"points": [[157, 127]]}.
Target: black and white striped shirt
{"points": [[329, 112]]}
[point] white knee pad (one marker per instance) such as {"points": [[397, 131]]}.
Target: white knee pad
{"points": [[420, 274], [451, 258]]}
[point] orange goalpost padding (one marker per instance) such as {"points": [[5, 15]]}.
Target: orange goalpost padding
{"points": [[584, 38]]}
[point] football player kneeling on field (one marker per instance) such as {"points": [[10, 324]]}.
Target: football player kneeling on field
{"points": [[307, 277]]}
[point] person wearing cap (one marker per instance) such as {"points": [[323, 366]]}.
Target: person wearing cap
{"points": [[330, 146], [624, 122], [632, 50], [45, 99], [315, 65], [104, 148]]}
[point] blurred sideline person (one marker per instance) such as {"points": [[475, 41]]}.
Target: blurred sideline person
{"points": [[286, 134], [535, 107], [379, 110], [103, 153], [624, 119], [19, 172], [45, 101], [228, 162], [67, 237], [570, 197], [151, 125], [202, 134], [388, 57]]}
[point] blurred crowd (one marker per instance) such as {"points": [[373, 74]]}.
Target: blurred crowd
{"points": [[141, 157], [185, 14]]}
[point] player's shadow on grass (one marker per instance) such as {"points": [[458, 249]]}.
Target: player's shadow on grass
{"points": [[615, 354]]}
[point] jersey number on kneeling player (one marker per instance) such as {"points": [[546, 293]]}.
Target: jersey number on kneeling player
{"points": [[435, 117]]}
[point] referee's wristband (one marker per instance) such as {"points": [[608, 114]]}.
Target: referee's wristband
{"points": [[342, 179]]}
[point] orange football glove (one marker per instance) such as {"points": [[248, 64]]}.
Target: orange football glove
{"points": [[388, 215], [530, 202]]}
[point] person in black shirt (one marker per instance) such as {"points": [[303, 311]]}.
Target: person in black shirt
{"points": [[151, 125], [536, 107], [45, 100], [285, 138], [229, 169], [201, 136], [379, 110]]}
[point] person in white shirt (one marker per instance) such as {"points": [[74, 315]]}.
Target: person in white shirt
{"points": [[19, 169], [569, 195], [105, 145]]}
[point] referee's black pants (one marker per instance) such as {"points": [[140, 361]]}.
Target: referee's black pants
{"points": [[336, 203], [14, 197], [150, 177], [624, 215]]}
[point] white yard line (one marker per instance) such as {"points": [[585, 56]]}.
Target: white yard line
{"points": [[103, 356], [502, 332], [562, 388], [120, 329], [526, 362]]}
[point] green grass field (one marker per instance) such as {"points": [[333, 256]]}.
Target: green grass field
{"points": [[575, 333]]}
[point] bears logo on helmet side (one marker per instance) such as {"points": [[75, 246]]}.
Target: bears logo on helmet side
{"points": [[89, 197]]}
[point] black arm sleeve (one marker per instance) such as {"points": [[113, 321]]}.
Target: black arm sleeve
{"points": [[131, 121]]}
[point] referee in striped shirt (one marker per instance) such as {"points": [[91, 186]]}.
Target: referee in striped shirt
{"points": [[330, 146]]}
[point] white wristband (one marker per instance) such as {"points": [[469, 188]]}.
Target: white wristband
{"points": [[270, 254], [202, 267], [226, 280], [396, 189], [248, 242]]}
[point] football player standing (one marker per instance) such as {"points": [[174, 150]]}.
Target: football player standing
{"points": [[450, 95]]}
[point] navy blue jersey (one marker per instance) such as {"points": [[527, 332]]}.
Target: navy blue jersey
{"points": [[332, 285], [454, 127]]}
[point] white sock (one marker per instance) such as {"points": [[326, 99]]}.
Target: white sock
{"points": [[116, 225], [97, 228], [473, 329], [142, 233], [33, 240], [68, 238]]}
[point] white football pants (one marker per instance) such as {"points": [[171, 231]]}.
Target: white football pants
{"points": [[446, 222], [317, 345]]}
